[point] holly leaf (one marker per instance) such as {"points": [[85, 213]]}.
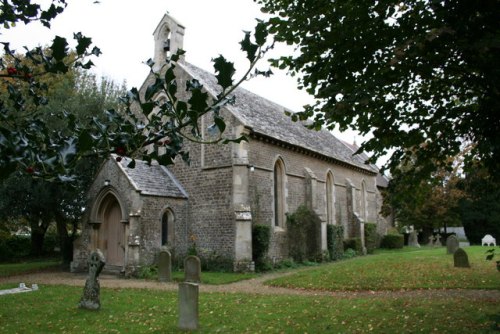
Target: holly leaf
{"points": [[224, 71], [59, 48], [249, 47], [83, 43]]}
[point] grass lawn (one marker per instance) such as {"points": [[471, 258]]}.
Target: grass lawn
{"points": [[410, 268], [10, 269], [53, 309]]}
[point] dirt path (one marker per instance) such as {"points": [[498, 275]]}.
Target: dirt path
{"points": [[251, 286]]}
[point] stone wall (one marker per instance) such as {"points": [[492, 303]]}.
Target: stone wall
{"points": [[301, 168]]}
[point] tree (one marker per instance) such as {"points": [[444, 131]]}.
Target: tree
{"points": [[480, 209], [422, 77], [434, 204], [80, 95], [26, 143]]}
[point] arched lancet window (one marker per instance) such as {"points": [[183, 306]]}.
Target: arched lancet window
{"points": [[167, 228], [363, 212], [330, 199], [279, 193]]}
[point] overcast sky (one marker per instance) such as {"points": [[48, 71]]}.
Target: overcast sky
{"points": [[123, 30]]}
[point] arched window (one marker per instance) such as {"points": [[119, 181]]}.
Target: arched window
{"points": [[279, 193], [363, 212], [167, 228], [330, 199]]}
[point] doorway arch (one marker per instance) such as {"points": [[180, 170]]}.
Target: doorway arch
{"points": [[108, 216]]}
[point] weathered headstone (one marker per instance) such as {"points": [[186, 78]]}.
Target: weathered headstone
{"points": [[413, 239], [438, 243], [188, 306], [192, 269], [165, 266], [92, 290], [460, 259], [452, 244], [431, 241]]}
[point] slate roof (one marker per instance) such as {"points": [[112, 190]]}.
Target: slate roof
{"points": [[267, 118], [154, 180], [382, 180]]}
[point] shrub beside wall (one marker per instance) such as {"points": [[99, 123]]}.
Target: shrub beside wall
{"points": [[393, 241], [334, 240], [304, 235], [354, 244], [371, 237], [261, 236]]}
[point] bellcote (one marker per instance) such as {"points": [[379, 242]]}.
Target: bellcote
{"points": [[169, 37]]}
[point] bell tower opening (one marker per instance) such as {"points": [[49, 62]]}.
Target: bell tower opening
{"points": [[169, 37]]}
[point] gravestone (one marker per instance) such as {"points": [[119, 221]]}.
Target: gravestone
{"points": [[92, 290], [438, 243], [488, 240], [413, 239], [192, 269], [165, 266], [452, 244], [188, 306], [460, 259], [431, 241]]}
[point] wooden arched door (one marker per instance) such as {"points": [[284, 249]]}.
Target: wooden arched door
{"points": [[112, 233]]}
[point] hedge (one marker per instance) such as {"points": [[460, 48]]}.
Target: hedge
{"points": [[371, 237], [334, 240], [393, 241], [261, 236], [304, 235], [354, 244]]}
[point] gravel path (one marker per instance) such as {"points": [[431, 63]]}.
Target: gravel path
{"points": [[251, 286]]}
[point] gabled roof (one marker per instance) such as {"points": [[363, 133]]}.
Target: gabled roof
{"points": [[268, 119], [154, 180]]}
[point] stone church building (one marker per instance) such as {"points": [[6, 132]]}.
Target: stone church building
{"points": [[213, 202]]}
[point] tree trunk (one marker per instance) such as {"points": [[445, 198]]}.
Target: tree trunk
{"points": [[38, 229], [37, 237], [65, 241]]}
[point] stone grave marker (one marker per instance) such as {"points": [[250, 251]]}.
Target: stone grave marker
{"points": [[438, 243], [92, 290], [488, 240], [431, 241], [452, 244], [192, 269], [165, 266], [188, 306], [413, 239], [460, 259]]}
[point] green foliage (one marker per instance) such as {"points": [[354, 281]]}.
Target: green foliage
{"points": [[14, 247], [349, 253], [148, 272], [392, 241], [304, 235], [261, 237], [27, 267], [334, 240], [420, 76], [353, 243], [480, 209], [217, 263], [28, 144], [371, 237]]}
